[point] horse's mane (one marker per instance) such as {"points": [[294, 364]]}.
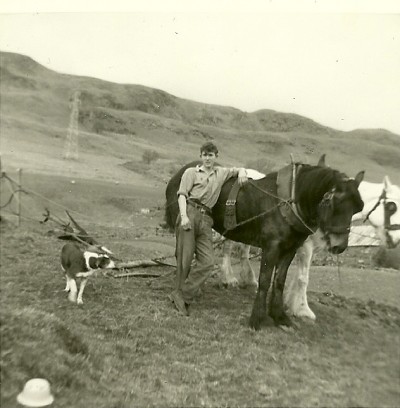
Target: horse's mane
{"points": [[316, 181]]}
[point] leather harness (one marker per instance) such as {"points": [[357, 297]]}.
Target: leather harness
{"points": [[286, 189]]}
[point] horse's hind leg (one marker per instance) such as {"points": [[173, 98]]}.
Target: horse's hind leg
{"points": [[227, 275], [259, 312], [276, 309], [247, 275]]}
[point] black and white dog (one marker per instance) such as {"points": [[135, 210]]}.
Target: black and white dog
{"points": [[81, 264]]}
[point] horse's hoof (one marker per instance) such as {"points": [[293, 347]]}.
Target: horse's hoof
{"points": [[246, 285], [309, 314], [255, 322], [267, 321], [301, 311], [258, 323], [233, 283], [286, 329], [283, 320]]}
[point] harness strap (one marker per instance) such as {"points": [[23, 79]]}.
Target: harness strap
{"points": [[230, 221], [286, 186]]}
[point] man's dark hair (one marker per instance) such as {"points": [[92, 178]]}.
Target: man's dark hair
{"points": [[209, 147]]}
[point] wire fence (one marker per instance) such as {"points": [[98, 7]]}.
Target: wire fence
{"points": [[13, 204]]}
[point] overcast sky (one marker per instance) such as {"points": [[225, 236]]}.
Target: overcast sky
{"points": [[338, 66]]}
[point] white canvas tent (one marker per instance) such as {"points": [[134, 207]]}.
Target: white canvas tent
{"points": [[363, 236]]}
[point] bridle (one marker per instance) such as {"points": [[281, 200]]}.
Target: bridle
{"points": [[325, 208], [389, 208]]}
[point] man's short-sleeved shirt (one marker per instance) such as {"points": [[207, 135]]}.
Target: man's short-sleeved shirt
{"points": [[196, 183]]}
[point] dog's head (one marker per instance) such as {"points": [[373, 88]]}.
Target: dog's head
{"points": [[104, 262], [98, 261]]}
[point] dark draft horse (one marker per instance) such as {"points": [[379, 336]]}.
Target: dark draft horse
{"points": [[325, 198]]}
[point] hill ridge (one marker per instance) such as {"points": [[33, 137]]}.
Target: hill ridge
{"points": [[258, 119], [119, 122]]}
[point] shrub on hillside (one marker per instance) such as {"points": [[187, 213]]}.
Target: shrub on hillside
{"points": [[150, 156], [387, 258], [98, 126]]}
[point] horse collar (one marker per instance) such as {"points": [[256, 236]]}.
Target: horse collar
{"points": [[286, 188]]}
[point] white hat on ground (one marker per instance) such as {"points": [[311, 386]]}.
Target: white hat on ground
{"points": [[36, 393]]}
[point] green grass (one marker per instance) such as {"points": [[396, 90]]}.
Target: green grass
{"points": [[126, 346]]}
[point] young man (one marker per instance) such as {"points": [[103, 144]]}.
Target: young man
{"points": [[198, 192]]}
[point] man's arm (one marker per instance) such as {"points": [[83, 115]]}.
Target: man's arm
{"points": [[240, 172], [185, 222], [242, 176], [183, 193]]}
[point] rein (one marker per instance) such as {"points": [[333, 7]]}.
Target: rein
{"points": [[326, 201], [289, 203]]}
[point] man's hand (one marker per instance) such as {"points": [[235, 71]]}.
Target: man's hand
{"points": [[185, 223], [242, 177]]}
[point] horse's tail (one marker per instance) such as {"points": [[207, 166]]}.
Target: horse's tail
{"points": [[169, 221], [171, 204]]}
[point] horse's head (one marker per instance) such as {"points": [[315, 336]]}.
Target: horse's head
{"points": [[336, 210], [384, 215]]}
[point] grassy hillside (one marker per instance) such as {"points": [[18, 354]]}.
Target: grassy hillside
{"points": [[119, 122]]}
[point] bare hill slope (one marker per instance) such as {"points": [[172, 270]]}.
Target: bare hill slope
{"points": [[119, 122]]}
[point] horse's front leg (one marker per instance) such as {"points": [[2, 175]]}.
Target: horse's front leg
{"points": [[259, 313], [276, 309], [295, 296]]}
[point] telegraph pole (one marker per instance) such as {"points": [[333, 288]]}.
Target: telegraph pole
{"points": [[71, 146]]}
